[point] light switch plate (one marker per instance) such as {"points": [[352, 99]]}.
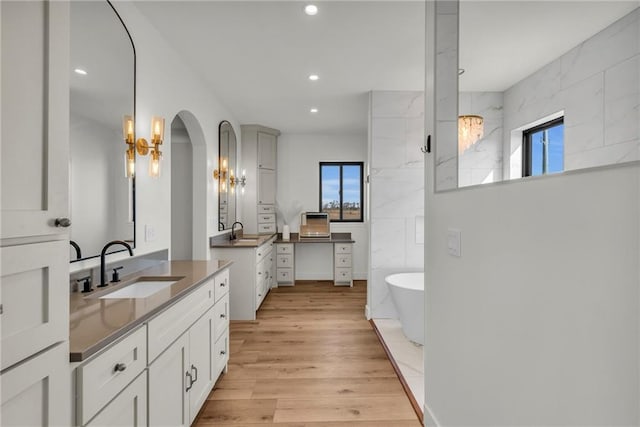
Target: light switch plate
{"points": [[149, 233], [454, 242]]}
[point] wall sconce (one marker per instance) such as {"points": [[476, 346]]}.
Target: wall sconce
{"points": [[220, 175], [470, 130], [235, 180], [142, 147]]}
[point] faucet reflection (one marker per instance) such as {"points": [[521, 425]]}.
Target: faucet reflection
{"points": [[103, 280]]}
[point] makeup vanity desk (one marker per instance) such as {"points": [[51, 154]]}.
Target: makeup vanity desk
{"points": [[342, 257]]}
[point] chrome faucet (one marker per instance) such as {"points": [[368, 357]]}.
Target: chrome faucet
{"points": [[233, 230], [103, 280]]}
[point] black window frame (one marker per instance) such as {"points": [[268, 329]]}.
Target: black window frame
{"points": [[341, 164], [526, 143]]}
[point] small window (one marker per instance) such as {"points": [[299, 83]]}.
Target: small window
{"points": [[341, 191], [543, 148]]}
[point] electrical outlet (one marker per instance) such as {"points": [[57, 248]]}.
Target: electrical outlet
{"points": [[149, 233]]}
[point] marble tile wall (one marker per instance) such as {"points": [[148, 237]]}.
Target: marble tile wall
{"points": [[597, 86], [396, 171]]}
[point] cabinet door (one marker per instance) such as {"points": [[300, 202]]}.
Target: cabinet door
{"points": [[169, 378], [266, 187], [35, 298], [34, 152], [36, 392], [128, 409], [200, 354], [266, 151]]}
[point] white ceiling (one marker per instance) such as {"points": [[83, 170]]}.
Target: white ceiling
{"points": [[256, 55]]}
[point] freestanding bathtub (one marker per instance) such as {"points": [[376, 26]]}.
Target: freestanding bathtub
{"points": [[407, 294]]}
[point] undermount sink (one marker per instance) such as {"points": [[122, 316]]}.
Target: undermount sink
{"points": [[143, 287], [243, 240]]}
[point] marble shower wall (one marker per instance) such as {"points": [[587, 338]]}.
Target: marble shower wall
{"points": [[596, 84], [396, 209], [482, 162]]}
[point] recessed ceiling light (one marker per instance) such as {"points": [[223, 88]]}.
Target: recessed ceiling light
{"points": [[313, 77], [80, 71], [313, 110], [311, 9]]}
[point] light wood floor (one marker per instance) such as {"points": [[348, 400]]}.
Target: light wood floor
{"points": [[310, 359]]}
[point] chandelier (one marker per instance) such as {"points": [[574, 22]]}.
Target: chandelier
{"points": [[470, 130]]}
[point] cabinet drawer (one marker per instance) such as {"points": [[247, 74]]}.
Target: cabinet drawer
{"points": [[285, 248], [223, 218], [221, 284], [262, 271], [130, 406], [342, 275], [266, 218], [343, 248], [266, 209], [221, 353], [285, 260], [263, 252], [223, 207], [221, 316], [343, 260], [171, 323], [284, 275], [104, 376], [267, 228]]}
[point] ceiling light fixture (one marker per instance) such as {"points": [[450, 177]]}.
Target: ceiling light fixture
{"points": [[313, 77], [80, 71], [313, 110], [311, 9]]}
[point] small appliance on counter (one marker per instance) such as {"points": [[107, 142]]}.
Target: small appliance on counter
{"points": [[314, 224]]}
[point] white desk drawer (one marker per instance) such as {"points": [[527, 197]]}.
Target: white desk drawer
{"points": [[343, 260], [285, 248], [171, 323], [267, 228], [221, 316], [266, 218], [284, 275], [105, 375], [221, 284], [266, 209], [284, 261], [343, 248], [343, 275]]}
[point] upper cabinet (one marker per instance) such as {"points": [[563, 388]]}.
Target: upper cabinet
{"points": [[35, 149], [259, 153]]}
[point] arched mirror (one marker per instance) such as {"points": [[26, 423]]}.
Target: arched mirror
{"points": [[102, 85], [225, 175]]}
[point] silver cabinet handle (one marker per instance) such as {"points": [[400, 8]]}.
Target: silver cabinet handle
{"points": [[120, 367], [62, 222]]}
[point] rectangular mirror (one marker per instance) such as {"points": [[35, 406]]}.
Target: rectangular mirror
{"points": [[102, 82], [537, 90]]}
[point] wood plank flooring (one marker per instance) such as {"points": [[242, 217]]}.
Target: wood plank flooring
{"points": [[311, 359]]}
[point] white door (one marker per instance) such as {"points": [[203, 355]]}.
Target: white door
{"points": [[200, 354], [169, 378], [266, 187], [266, 151], [34, 152], [127, 409], [36, 392]]}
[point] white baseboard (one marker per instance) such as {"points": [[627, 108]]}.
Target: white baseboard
{"points": [[430, 419]]}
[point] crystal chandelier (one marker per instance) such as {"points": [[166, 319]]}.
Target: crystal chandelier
{"points": [[470, 130]]}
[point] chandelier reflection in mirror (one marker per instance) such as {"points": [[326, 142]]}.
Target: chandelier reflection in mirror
{"points": [[470, 130], [221, 175]]}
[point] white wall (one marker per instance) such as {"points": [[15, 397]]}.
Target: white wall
{"points": [[165, 87], [537, 322], [298, 185], [397, 192]]}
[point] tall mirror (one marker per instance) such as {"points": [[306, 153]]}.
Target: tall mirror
{"points": [[535, 96], [227, 170], [102, 85]]}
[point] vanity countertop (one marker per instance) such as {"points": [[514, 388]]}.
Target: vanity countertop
{"points": [[335, 238], [94, 323], [243, 241]]}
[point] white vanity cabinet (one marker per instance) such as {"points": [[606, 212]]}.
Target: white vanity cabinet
{"points": [[34, 161], [343, 267], [285, 273], [259, 153]]}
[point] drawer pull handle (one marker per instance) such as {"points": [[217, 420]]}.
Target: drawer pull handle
{"points": [[195, 375], [120, 367], [223, 316], [223, 284], [222, 352], [187, 374]]}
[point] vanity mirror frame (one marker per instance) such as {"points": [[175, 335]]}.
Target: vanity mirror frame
{"points": [[228, 205], [117, 125], [571, 83]]}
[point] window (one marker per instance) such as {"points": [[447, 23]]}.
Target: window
{"points": [[341, 191], [543, 148]]}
